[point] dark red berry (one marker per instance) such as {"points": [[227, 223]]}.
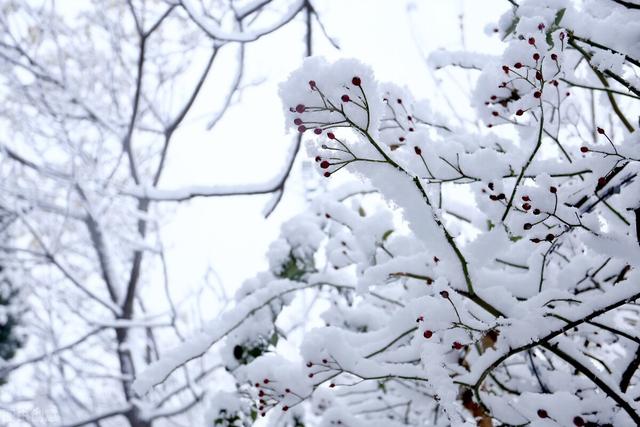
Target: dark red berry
{"points": [[501, 196], [420, 319], [493, 97], [527, 226], [584, 149], [301, 128], [310, 375], [399, 101], [312, 83], [285, 408], [493, 197], [602, 181], [444, 294], [300, 108], [554, 57], [325, 164], [526, 199], [261, 393], [519, 112], [324, 361], [539, 75], [601, 131], [505, 69], [535, 240], [330, 135], [318, 158], [578, 421], [541, 26], [518, 65], [297, 121], [536, 56], [427, 334], [266, 381], [332, 385], [309, 364], [356, 81], [536, 211], [542, 413], [411, 129], [532, 41], [327, 174], [526, 206], [537, 94], [286, 390], [401, 139], [417, 150], [456, 345], [345, 98], [553, 189], [495, 113], [550, 237], [317, 131]]}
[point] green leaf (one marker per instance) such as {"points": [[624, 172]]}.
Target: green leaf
{"points": [[559, 16], [386, 235], [512, 27], [490, 225], [254, 415], [274, 339]]}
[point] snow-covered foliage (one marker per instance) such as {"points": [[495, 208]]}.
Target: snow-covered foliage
{"points": [[471, 275]]}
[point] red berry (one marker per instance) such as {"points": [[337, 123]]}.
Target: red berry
{"points": [[325, 164], [578, 421], [332, 385], [539, 75], [312, 83], [526, 206], [489, 125], [345, 98], [309, 364], [318, 158], [266, 381], [526, 199], [310, 375], [555, 83], [493, 97], [327, 174], [542, 413], [495, 113], [301, 128], [456, 345], [297, 121], [553, 190], [444, 294], [410, 118], [541, 26], [536, 211], [417, 150], [536, 56], [286, 390], [300, 108], [501, 196], [505, 69], [550, 237], [420, 319], [535, 240], [527, 226], [330, 135], [518, 65], [285, 408], [317, 131], [411, 129], [257, 384], [537, 94], [261, 393], [427, 334], [401, 139], [532, 41], [601, 131], [356, 81], [562, 36], [584, 149], [519, 112], [436, 259], [399, 101], [602, 181], [554, 56]]}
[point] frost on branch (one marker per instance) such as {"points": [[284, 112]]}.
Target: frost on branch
{"points": [[467, 276]]}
